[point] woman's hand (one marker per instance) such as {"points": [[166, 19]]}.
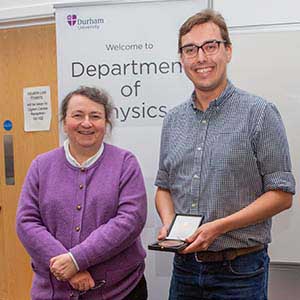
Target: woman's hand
{"points": [[62, 267], [82, 281]]}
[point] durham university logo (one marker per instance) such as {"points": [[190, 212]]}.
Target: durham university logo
{"points": [[72, 19], [85, 23]]}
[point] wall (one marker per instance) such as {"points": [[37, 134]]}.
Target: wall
{"points": [[257, 12], [27, 9], [238, 13]]}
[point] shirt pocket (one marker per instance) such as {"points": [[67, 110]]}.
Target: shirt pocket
{"points": [[232, 152]]}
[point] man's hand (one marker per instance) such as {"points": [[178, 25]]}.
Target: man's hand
{"points": [[163, 232], [62, 267], [203, 237], [82, 281]]}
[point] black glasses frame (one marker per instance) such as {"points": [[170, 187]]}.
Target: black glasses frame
{"points": [[97, 286], [201, 46]]}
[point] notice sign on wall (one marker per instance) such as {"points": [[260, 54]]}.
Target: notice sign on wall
{"points": [[37, 108]]}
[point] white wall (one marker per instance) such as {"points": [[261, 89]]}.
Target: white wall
{"points": [[14, 10], [257, 12], [26, 9], [237, 13]]}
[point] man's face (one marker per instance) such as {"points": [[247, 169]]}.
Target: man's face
{"points": [[207, 72]]}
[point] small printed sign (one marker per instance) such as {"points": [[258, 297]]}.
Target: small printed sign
{"points": [[37, 108], [7, 125]]}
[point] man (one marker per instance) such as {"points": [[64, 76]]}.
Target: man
{"points": [[224, 154]]}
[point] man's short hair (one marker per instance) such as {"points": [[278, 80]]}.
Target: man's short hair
{"points": [[204, 16]]}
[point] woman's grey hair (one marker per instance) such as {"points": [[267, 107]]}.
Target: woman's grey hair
{"points": [[94, 94]]}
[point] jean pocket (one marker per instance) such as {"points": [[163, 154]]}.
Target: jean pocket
{"points": [[178, 259], [245, 267]]}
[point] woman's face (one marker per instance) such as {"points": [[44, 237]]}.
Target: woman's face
{"points": [[85, 125]]}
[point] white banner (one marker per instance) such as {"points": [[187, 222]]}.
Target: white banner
{"points": [[130, 50]]}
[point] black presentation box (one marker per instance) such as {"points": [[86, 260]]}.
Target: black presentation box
{"points": [[182, 226]]}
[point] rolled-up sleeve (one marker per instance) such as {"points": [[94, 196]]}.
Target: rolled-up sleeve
{"points": [[273, 155], [162, 179]]}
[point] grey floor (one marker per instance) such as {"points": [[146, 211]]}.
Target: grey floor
{"points": [[284, 281]]}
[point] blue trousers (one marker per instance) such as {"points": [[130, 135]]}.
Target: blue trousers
{"points": [[244, 278]]}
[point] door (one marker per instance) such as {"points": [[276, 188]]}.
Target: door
{"points": [[27, 59]]}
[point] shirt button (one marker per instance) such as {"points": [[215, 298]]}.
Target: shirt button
{"points": [[196, 176], [81, 186], [199, 148], [71, 294], [82, 169], [194, 204], [78, 207], [77, 228], [204, 121]]}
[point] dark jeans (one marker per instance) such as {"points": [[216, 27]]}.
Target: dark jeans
{"points": [[244, 278], [139, 292]]}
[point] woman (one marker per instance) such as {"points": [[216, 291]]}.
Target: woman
{"points": [[82, 209]]}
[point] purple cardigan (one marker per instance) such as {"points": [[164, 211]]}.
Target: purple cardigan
{"points": [[96, 213]]}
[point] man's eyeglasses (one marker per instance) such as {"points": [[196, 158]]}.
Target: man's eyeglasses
{"points": [[209, 48]]}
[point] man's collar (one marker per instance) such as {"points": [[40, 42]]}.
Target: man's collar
{"points": [[218, 101]]}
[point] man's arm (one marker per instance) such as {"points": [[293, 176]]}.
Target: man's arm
{"points": [[273, 161], [266, 206], [165, 208]]}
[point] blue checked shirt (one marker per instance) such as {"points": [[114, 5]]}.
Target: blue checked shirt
{"points": [[219, 161]]}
